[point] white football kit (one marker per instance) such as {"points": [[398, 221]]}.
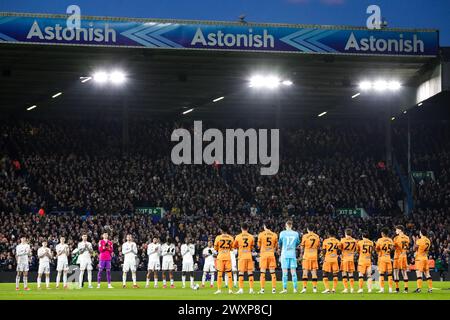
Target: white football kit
{"points": [[22, 253], [62, 251], [84, 257], [188, 252], [153, 252], [44, 260], [233, 254], [167, 251], [129, 250], [209, 253]]}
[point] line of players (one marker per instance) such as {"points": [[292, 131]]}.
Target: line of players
{"points": [[331, 249], [219, 255]]}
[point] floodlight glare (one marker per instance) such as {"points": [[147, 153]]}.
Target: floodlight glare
{"points": [[31, 108], [117, 77], [272, 82], [394, 85], [187, 111], [322, 114], [356, 95], [100, 77], [365, 85], [287, 82], [56, 95], [218, 99], [380, 85], [269, 82]]}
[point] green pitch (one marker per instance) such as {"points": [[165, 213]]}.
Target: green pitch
{"points": [[7, 292]]}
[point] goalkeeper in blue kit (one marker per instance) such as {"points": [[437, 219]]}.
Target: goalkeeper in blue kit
{"points": [[288, 242]]}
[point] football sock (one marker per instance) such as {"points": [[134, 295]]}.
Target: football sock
{"points": [[47, 280], [133, 276], [326, 283], [390, 282], [294, 279], [147, 282], [274, 280], [58, 277], [124, 278], [203, 278], [156, 281], [285, 280], [25, 281], [99, 275], [381, 282], [241, 281], [17, 281], [164, 282], [430, 282], [183, 280], [314, 282], [192, 281], [305, 282], [419, 282], [235, 278], [38, 281], [230, 281], [361, 282], [397, 287], [251, 280], [335, 282], [212, 278], [369, 283], [219, 280], [108, 276], [405, 282], [352, 282], [65, 278], [345, 281], [171, 281], [89, 277], [262, 280], [80, 278]]}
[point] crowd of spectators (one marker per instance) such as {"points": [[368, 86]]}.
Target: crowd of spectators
{"points": [[80, 175]]}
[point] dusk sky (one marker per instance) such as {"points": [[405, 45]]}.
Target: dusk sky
{"points": [[399, 13]]}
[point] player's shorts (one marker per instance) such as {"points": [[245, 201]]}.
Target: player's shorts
{"points": [[23, 267], [422, 265], [209, 267], [104, 264], [154, 265], [330, 266], [85, 265], [167, 264], [223, 265], [62, 265], [44, 268], [347, 266], [401, 263], [129, 266], [309, 264], [288, 263], [268, 263], [364, 268], [384, 266], [246, 265], [187, 266]]}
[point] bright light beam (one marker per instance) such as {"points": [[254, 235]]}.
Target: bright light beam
{"points": [[117, 77], [187, 111], [218, 99], [56, 95], [322, 114], [356, 95], [100, 77], [32, 107]]}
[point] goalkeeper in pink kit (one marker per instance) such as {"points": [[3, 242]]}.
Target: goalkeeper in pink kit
{"points": [[105, 247]]}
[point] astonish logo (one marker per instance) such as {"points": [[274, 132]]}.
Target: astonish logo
{"points": [[372, 44], [221, 39], [57, 32]]}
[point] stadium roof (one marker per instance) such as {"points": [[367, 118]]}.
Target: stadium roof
{"points": [[168, 81]]}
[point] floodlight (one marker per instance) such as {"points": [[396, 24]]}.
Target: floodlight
{"points": [[365, 85], [117, 77], [394, 85], [56, 95], [322, 114], [380, 85], [100, 77], [287, 82], [32, 107]]}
